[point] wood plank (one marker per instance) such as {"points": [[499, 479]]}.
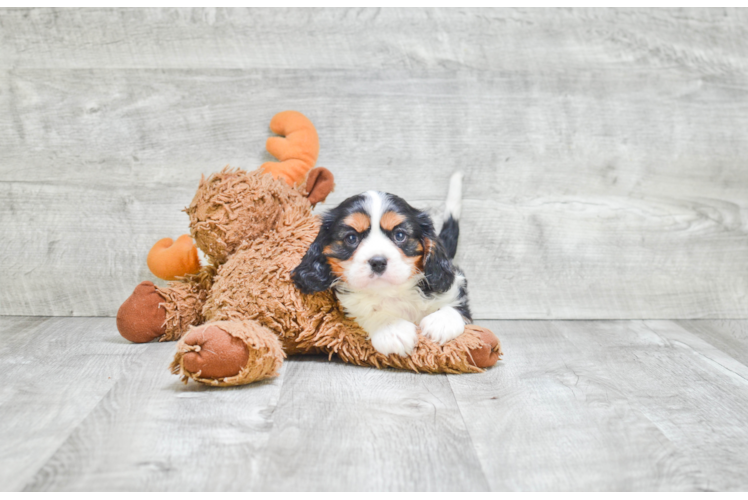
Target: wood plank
{"points": [[339, 427], [699, 399], [654, 407], [55, 371], [555, 416], [727, 335], [575, 405], [152, 433], [600, 230], [532, 40]]}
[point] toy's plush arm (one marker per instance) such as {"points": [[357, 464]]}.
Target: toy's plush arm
{"points": [[475, 349], [297, 150]]}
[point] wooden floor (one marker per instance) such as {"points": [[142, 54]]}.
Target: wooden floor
{"points": [[588, 405]]}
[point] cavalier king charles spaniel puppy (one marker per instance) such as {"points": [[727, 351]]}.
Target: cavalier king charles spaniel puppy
{"points": [[390, 270]]}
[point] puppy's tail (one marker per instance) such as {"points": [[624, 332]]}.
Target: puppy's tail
{"points": [[451, 229]]}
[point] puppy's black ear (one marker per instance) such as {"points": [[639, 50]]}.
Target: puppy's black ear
{"points": [[314, 274], [438, 271]]}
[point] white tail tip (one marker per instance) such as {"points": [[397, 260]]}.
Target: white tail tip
{"points": [[454, 197]]}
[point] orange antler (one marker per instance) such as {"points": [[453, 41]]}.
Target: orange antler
{"points": [[297, 151], [169, 260]]}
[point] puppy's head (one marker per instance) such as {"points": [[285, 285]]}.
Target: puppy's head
{"points": [[372, 241]]}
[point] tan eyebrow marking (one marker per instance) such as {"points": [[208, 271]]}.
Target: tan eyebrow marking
{"points": [[358, 221], [390, 220]]}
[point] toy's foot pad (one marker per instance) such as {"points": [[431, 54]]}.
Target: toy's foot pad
{"points": [[214, 353], [140, 319], [490, 352]]}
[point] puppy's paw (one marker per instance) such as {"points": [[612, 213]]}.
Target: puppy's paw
{"points": [[397, 338], [443, 325]]}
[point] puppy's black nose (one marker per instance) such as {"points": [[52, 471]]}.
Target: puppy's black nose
{"points": [[378, 264]]}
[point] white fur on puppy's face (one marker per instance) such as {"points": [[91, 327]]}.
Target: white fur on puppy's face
{"points": [[357, 271]]}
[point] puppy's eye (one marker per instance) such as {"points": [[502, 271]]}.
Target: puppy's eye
{"points": [[400, 236], [351, 239]]}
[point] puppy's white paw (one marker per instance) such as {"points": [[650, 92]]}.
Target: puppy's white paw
{"points": [[396, 338], [443, 325]]}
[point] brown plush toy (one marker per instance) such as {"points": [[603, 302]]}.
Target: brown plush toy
{"points": [[238, 317]]}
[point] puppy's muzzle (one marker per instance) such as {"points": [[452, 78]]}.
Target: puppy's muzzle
{"points": [[378, 264]]}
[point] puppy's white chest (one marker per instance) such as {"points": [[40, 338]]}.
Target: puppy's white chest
{"points": [[407, 308], [405, 304], [373, 309]]}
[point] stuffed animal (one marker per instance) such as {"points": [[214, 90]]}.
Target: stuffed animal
{"points": [[238, 316]]}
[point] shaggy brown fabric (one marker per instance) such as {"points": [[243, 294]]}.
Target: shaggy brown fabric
{"points": [[230, 207], [342, 336], [140, 319], [183, 303]]}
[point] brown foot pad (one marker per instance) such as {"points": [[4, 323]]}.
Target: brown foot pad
{"points": [[490, 353], [214, 353], [140, 319]]}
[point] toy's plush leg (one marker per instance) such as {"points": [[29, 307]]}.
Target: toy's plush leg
{"points": [[183, 303], [227, 353], [152, 312], [475, 349], [489, 353], [140, 319]]}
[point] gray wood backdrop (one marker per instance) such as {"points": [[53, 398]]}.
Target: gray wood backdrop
{"points": [[605, 151]]}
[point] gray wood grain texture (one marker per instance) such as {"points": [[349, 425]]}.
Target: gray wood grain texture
{"points": [[553, 419], [604, 150], [372, 430], [55, 372], [626, 405], [83, 409], [726, 335], [575, 405]]}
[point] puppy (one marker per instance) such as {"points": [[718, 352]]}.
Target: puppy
{"points": [[390, 270]]}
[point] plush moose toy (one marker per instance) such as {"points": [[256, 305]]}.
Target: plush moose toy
{"points": [[240, 315]]}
